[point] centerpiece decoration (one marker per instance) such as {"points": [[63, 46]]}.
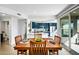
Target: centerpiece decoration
{"points": [[38, 39]]}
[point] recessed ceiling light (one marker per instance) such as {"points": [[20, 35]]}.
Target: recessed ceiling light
{"points": [[74, 12], [3, 14]]}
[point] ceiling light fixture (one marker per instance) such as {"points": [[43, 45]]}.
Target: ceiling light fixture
{"points": [[3, 14], [74, 12]]}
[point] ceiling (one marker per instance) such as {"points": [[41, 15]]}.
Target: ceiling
{"points": [[75, 12], [36, 9]]}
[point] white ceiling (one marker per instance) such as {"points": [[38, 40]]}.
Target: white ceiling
{"points": [[36, 9]]}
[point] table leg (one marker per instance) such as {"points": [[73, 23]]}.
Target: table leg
{"points": [[26, 52], [57, 52]]}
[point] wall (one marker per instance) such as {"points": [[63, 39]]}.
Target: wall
{"points": [[13, 23], [13, 28], [5, 27], [28, 26], [2, 26], [21, 27], [16, 27]]}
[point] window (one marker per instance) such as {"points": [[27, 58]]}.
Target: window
{"points": [[65, 26]]}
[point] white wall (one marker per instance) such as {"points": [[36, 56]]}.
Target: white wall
{"points": [[21, 27], [28, 27], [16, 27], [3, 23], [2, 26], [58, 27], [5, 27], [13, 25]]}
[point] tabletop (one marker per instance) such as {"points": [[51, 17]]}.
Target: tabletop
{"points": [[49, 45]]}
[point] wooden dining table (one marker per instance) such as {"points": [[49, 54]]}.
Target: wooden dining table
{"points": [[26, 46]]}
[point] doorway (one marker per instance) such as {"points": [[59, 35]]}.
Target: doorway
{"points": [[4, 31]]}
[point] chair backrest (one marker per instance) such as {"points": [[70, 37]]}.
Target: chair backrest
{"points": [[57, 40], [38, 48], [18, 39]]}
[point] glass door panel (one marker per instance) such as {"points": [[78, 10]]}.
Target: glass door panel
{"points": [[75, 29], [64, 24]]}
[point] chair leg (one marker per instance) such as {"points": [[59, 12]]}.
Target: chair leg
{"points": [[17, 52], [55, 52], [22, 52], [26, 52]]}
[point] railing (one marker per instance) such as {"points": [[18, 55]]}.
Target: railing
{"points": [[73, 39]]}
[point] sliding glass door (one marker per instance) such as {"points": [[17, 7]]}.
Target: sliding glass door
{"points": [[65, 30], [75, 29]]}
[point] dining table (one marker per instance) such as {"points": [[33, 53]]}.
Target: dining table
{"points": [[49, 46]]}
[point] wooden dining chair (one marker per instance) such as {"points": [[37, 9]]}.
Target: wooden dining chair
{"points": [[38, 48], [56, 41], [18, 40]]}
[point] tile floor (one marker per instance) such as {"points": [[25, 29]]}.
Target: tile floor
{"points": [[6, 49]]}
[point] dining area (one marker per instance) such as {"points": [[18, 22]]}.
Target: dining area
{"points": [[38, 45]]}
